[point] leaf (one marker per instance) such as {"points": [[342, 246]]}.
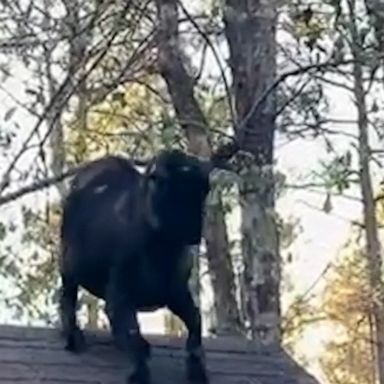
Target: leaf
{"points": [[31, 91], [5, 71], [348, 158], [8, 115], [327, 207], [119, 97], [375, 107], [364, 33], [3, 231], [337, 5], [328, 145], [29, 10]]}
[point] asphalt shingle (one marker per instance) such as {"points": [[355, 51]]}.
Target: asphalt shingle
{"points": [[36, 355]]}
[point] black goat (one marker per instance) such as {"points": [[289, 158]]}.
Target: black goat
{"points": [[125, 238]]}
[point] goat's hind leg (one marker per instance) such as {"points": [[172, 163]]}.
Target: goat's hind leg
{"points": [[72, 334], [126, 333]]}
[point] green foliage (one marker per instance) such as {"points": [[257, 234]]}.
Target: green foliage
{"points": [[34, 272], [3, 231], [130, 121], [302, 313], [336, 174], [8, 115]]}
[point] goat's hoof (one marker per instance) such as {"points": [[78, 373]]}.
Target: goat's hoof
{"points": [[76, 341], [196, 372], [141, 376]]}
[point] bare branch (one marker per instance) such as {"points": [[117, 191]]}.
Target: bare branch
{"points": [[60, 99], [100, 93], [49, 181], [179, 82], [217, 58], [226, 151], [36, 186]]}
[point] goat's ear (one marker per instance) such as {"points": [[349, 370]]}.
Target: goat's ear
{"points": [[156, 171]]}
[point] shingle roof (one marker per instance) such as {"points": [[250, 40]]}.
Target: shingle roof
{"points": [[36, 355]]}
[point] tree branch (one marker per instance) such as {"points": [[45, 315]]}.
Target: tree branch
{"points": [[179, 82], [226, 151], [37, 186], [217, 58], [52, 180]]}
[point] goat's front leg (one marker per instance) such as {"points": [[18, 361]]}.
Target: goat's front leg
{"points": [[126, 333], [183, 306]]}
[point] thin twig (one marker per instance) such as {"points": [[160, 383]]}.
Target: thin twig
{"points": [[217, 58]]}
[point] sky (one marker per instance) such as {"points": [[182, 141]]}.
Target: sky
{"points": [[323, 234]]}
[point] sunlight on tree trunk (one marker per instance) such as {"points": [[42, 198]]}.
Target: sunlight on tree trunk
{"points": [[195, 278], [260, 251], [250, 30], [226, 314], [92, 320]]}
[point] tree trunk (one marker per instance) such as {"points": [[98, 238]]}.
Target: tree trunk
{"points": [[227, 317], [373, 251], [250, 31], [195, 278], [192, 120]]}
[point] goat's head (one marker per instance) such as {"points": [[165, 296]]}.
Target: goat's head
{"points": [[176, 188]]}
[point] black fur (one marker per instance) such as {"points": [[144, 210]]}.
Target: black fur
{"points": [[125, 238]]}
